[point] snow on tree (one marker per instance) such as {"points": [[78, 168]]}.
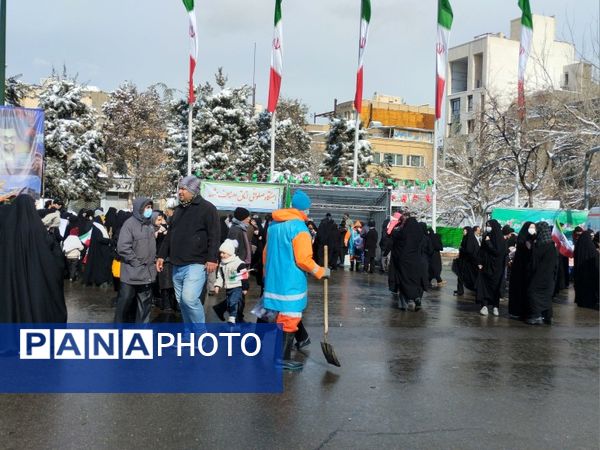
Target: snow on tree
{"points": [[137, 139], [15, 90], [475, 179], [292, 142], [339, 150], [223, 128], [74, 147]]}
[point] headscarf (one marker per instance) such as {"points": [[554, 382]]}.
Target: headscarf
{"points": [[393, 222], [524, 233], [543, 235]]}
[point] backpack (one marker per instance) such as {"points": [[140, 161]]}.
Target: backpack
{"points": [[359, 242]]}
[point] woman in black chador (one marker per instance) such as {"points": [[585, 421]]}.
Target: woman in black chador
{"points": [[542, 276], [99, 256], [435, 258], [465, 268], [491, 268], [409, 267], [519, 280], [586, 272], [31, 268]]}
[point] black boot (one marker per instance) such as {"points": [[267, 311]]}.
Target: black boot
{"points": [[220, 309], [357, 266], [287, 363], [417, 304], [351, 266]]}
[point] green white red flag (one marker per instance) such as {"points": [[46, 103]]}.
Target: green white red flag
{"points": [[189, 6], [444, 19], [276, 60], [365, 19], [524, 49], [86, 238], [562, 244]]}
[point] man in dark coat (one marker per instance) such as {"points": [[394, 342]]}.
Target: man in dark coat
{"points": [[325, 236], [370, 247], [407, 272], [492, 255], [31, 267], [192, 246], [519, 277], [542, 276], [137, 250]]}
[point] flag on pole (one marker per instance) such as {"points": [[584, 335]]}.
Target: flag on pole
{"points": [[444, 18], [365, 18], [276, 60], [562, 244], [86, 238], [524, 48], [189, 6]]}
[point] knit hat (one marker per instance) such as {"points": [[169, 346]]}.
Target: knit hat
{"points": [[241, 213], [229, 246], [301, 201], [191, 184]]}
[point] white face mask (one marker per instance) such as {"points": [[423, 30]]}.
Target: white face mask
{"points": [[488, 229], [531, 231]]}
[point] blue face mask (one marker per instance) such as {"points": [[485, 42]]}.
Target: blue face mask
{"points": [[147, 213]]}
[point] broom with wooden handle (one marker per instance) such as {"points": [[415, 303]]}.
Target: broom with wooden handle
{"points": [[327, 348]]}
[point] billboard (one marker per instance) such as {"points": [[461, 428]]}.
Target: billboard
{"points": [[21, 150]]}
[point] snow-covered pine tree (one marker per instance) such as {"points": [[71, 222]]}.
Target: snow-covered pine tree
{"points": [[136, 133], [292, 142], [15, 90], [74, 147], [339, 150], [223, 129]]}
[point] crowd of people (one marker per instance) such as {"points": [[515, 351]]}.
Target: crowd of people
{"points": [[173, 259], [527, 268]]}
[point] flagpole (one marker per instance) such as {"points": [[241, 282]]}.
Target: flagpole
{"points": [[189, 155], [436, 137], [517, 180], [356, 126], [273, 127]]}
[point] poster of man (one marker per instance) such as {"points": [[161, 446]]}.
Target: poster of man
{"points": [[21, 150]]}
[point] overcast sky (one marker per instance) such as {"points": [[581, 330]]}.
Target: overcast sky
{"points": [[145, 41]]}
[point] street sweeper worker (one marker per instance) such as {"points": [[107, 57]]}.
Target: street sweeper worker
{"points": [[288, 257]]}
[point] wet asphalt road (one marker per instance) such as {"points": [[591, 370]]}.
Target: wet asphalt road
{"points": [[443, 377]]}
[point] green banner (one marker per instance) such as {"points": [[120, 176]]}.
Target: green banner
{"points": [[516, 217]]}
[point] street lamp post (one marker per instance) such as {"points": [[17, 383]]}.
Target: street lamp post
{"points": [[586, 168], [2, 50]]}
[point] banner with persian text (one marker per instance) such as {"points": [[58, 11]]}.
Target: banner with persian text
{"points": [[21, 150], [253, 196]]}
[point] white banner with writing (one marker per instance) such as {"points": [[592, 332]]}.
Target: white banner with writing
{"points": [[253, 196]]}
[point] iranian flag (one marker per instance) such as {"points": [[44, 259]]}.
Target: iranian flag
{"points": [[562, 244], [189, 6], [365, 18], [524, 49], [444, 18], [86, 238], [276, 60]]}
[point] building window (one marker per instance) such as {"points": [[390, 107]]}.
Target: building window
{"points": [[389, 159], [471, 126], [455, 108], [566, 79], [469, 103], [376, 158], [416, 161]]}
